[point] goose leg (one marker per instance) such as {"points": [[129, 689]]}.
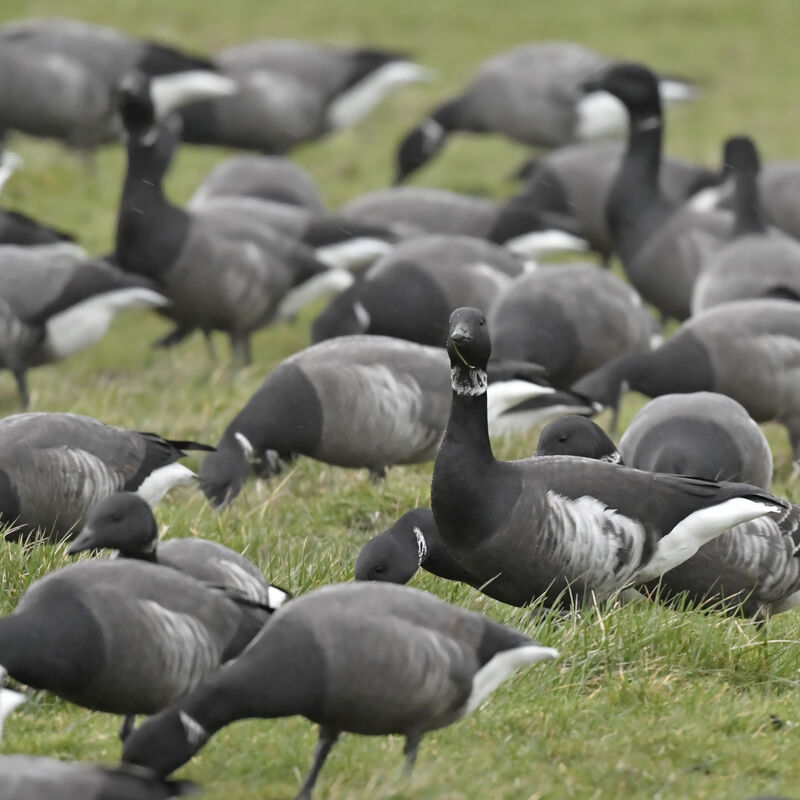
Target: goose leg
{"points": [[127, 727], [327, 739], [377, 474], [410, 751], [22, 386], [240, 348], [793, 426]]}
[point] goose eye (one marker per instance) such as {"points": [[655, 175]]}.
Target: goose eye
{"points": [[116, 517], [562, 438], [380, 569], [482, 322]]}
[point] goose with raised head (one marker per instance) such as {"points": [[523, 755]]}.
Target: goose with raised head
{"points": [[57, 305], [747, 349], [410, 292], [702, 434], [576, 181], [216, 274], [662, 247], [123, 636], [365, 658], [55, 467], [291, 92], [557, 527], [354, 401], [25, 777], [70, 71], [757, 262], [124, 521], [418, 210], [531, 94]]}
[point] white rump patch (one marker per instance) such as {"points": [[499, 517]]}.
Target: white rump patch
{"points": [[86, 323], [516, 422], [502, 395], [502, 666], [706, 199], [9, 163], [535, 243], [8, 702], [600, 115], [160, 481], [353, 254], [276, 597], [692, 532], [180, 88], [325, 283], [352, 106]]}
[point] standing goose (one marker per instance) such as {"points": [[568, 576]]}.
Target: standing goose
{"points": [[292, 92], [214, 278], [55, 467], [122, 636], [531, 94], [576, 181], [662, 247], [35, 777], [418, 210], [124, 521], [756, 262], [558, 527], [748, 350], [371, 659], [57, 305], [702, 434], [70, 71], [354, 401], [410, 292]]}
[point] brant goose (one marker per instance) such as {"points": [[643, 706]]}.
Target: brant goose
{"points": [[560, 527], [746, 349], [410, 292], [291, 92], [353, 401], [756, 262], [55, 467], [35, 777], [124, 521], [123, 636], [363, 658], [531, 94], [662, 247]]}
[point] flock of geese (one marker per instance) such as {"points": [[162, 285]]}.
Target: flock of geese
{"points": [[441, 331]]}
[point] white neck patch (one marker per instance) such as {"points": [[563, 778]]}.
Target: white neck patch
{"points": [[196, 734], [612, 458], [422, 546], [649, 124], [244, 443], [468, 382], [432, 130], [362, 315]]}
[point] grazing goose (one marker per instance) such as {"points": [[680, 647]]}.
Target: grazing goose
{"points": [[56, 305], [124, 521], [576, 181], [363, 658], [37, 777], [291, 92], [418, 209], [531, 94], [662, 247], [55, 467], [410, 292], [122, 636], [748, 350], [756, 262], [70, 71], [702, 434], [215, 276], [753, 568], [354, 401], [558, 527], [263, 177]]}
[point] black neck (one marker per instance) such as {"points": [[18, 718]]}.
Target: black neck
{"points": [[678, 366], [636, 206], [747, 205], [448, 115]]}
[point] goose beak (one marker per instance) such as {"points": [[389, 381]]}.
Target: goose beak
{"points": [[83, 541], [461, 333], [592, 85]]}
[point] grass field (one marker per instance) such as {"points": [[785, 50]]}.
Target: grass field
{"points": [[645, 702]]}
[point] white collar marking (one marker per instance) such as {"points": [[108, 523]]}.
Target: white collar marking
{"points": [[468, 382], [422, 546], [196, 734], [649, 124]]}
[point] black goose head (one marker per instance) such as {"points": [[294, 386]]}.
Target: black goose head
{"points": [[418, 147], [223, 473], [122, 521], [395, 555], [741, 155], [345, 315], [633, 84], [164, 742], [468, 343], [577, 436]]}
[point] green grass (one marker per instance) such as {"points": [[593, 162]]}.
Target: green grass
{"points": [[646, 702]]}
